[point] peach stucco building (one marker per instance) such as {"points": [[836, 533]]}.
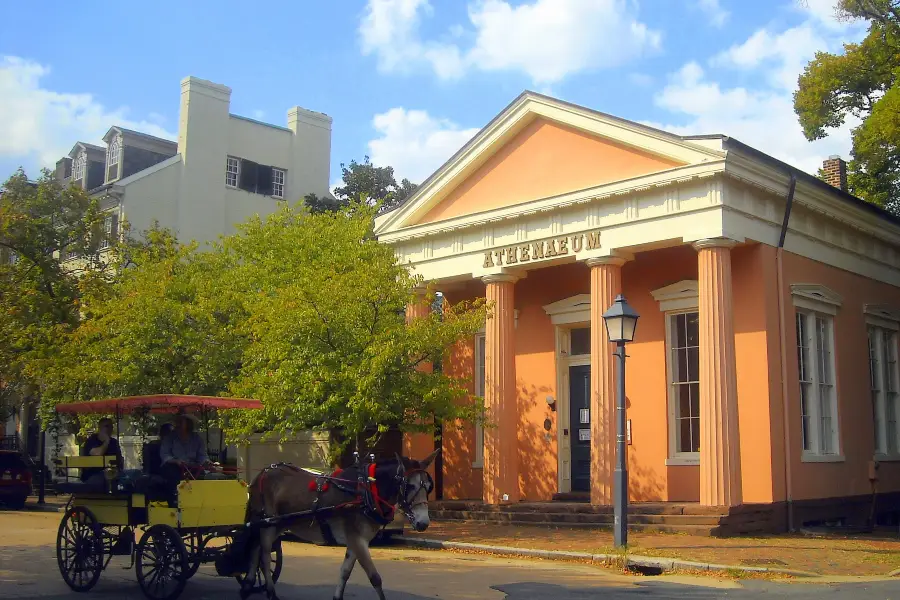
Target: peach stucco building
{"points": [[764, 369]]}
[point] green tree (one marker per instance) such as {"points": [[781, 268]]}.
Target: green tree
{"points": [[39, 295], [364, 181], [303, 311], [162, 327], [329, 346], [860, 83]]}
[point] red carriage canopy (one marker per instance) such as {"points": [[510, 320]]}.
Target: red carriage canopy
{"points": [[158, 403]]}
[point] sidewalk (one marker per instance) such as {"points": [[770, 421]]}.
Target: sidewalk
{"points": [[52, 503], [796, 554]]}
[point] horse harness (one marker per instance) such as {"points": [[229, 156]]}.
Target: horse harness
{"points": [[366, 494]]}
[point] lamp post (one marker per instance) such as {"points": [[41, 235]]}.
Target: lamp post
{"points": [[620, 320]]}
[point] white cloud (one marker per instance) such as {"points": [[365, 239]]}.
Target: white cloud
{"points": [[259, 115], [389, 29], [714, 11], [762, 118], [784, 54], [545, 39], [414, 142], [762, 114], [38, 126]]}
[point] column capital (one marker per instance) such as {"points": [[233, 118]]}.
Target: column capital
{"points": [[716, 242], [614, 260], [500, 278]]}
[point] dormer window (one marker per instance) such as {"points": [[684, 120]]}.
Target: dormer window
{"points": [[112, 158], [78, 166]]}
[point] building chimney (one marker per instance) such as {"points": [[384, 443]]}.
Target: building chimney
{"points": [[835, 172]]}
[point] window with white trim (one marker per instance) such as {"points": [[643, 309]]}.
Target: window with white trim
{"points": [[815, 307], [684, 381], [884, 382], [232, 171], [479, 391], [818, 402], [112, 158], [78, 166], [278, 176], [110, 231], [680, 303]]}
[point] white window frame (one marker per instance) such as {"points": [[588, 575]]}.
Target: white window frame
{"points": [[108, 232], [682, 297], [882, 333], [113, 152], [479, 379], [676, 456], [79, 166], [817, 304], [278, 186], [236, 163]]}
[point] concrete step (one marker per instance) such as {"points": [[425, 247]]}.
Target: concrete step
{"points": [[566, 518], [701, 530]]}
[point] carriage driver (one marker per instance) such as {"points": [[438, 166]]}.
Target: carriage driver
{"points": [[181, 448]]}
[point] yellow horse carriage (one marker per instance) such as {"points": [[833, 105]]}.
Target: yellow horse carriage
{"points": [[130, 516]]}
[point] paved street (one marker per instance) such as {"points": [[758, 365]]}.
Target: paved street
{"points": [[28, 570]]}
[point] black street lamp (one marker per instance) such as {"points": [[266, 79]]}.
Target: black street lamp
{"points": [[620, 321]]}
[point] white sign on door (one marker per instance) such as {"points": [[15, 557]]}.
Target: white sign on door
{"points": [[584, 435], [585, 415]]}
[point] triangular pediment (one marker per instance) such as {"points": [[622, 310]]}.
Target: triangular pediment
{"points": [[538, 148]]}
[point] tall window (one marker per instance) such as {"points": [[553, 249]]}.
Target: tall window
{"points": [[278, 182], [684, 382], [112, 158], [883, 378], [232, 171], [78, 166], [818, 402], [110, 231], [479, 391]]}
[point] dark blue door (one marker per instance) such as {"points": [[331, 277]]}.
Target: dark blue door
{"points": [[580, 426]]}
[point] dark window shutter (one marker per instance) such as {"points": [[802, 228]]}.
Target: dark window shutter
{"points": [[264, 180], [248, 175]]}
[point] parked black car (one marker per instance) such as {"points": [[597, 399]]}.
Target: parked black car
{"points": [[15, 479]]}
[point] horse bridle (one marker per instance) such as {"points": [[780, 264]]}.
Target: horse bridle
{"points": [[407, 490]]}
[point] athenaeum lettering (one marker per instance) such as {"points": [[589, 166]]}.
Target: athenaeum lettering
{"points": [[554, 247]]}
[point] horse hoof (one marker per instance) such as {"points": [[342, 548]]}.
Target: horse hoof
{"points": [[245, 594]]}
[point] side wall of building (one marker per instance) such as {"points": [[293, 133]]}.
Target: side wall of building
{"points": [[848, 476]]}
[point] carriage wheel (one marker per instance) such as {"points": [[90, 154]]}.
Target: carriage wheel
{"points": [[194, 544], [79, 549], [259, 579], [162, 563]]}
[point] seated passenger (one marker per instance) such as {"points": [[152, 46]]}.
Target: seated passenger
{"points": [[101, 443]]}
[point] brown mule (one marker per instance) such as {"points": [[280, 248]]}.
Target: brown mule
{"points": [[347, 508]]}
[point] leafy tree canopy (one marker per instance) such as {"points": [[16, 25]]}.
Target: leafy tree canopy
{"points": [[364, 180], [39, 295], [302, 311], [860, 83]]}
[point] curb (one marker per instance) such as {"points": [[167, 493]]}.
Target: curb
{"points": [[651, 562]]}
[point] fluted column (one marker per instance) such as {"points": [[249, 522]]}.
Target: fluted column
{"points": [[606, 284], [720, 464], [501, 448]]}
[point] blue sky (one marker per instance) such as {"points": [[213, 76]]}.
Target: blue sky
{"points": [[409, 81]]}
